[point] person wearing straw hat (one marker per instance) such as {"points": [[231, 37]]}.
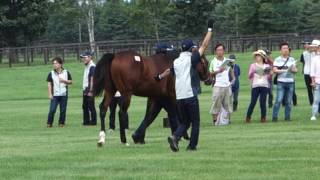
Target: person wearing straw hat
{"points": [[315, 77], [285, 68], [259, 73]]}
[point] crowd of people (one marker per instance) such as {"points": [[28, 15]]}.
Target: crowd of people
{"points": [[264, 74]]}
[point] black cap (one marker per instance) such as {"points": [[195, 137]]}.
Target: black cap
{"points": [[232, 56], [86, 54]]}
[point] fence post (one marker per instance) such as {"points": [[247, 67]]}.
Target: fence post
{"points": [[31, 54], [63, 54], [78, 52], [27, 54], [10, 59]]}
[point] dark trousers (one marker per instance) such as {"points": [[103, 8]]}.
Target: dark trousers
{"points": [[307, 80], [261, 93], [62, 102], [188, 112], [270, 93], [89, 110], [235, 94]]}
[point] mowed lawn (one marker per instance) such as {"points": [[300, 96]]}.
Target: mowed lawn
{"points": [[29, 150]]}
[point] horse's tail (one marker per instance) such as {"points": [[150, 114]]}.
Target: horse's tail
{"points": [[102, 75]]}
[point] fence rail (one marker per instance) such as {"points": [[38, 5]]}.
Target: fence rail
{"points": [[41, 54]]}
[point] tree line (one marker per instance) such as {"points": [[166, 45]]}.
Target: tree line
{"points": [[24, 23]]}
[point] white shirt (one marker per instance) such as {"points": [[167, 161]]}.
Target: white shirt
{"points": [[285, 76], [117, 94], [182, 67], [86, 74], [221, 79], [315, 68], [307, 62]]}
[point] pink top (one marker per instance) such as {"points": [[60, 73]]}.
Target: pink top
{"points": [[258, 79], [315, 68]]}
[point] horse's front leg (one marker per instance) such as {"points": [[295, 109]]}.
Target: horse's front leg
{"points": [[152, 111]]}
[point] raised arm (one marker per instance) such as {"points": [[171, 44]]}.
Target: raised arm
{"points": [[207, 39]]}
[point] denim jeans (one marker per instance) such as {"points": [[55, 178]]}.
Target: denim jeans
{"points": [[283, 90], [261, 93], [55, 101], [316, 100], [235, 94], [188, 112]]}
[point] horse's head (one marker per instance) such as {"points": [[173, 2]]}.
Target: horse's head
{"points": [[203, 69], [169, 53]]}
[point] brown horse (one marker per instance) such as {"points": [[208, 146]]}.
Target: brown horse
{"points": [[133, 74]]}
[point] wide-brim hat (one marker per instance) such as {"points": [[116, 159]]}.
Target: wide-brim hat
{"points": [[261, 53], [315, 43]]}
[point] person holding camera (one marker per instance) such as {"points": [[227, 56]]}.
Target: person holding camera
{"points": [[285, 68]]}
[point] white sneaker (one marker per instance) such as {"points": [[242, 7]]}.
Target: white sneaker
{"points": [[313, 118]]}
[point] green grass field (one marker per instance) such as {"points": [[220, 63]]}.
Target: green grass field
{"points": [[29, 150]]}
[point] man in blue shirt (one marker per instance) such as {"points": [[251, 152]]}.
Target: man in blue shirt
{"points": [[236, 85]]}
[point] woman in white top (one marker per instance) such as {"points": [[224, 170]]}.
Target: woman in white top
{"points": [[258, 75]]}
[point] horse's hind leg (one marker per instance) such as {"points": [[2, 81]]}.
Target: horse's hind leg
{"points": [[123, 117], [102, 115], [103, 110]]}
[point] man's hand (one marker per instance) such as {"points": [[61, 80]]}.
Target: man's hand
{"points": [[157, 77], [90, 93], [210, 24], [294, 69], [221, 70], [62, 80], [50, 97]]}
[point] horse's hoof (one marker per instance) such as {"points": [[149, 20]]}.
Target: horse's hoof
{"points": [[99, 144], [126, 144], [137, 140], [102, 139]]}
